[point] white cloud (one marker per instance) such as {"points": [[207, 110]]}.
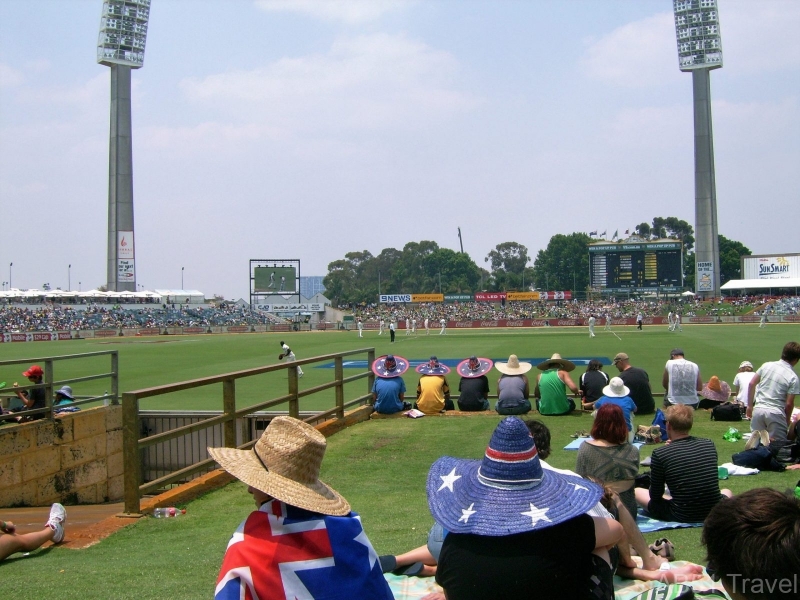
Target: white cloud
{"points": [[9, 77], [349, 11], [364, 83], [637, 54]]}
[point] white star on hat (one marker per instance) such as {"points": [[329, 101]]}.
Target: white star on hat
{"points": [[466, 513], [578, 486], [448, 480], [536, 515]]}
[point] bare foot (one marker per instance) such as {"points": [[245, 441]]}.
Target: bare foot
{"points": [[690, 572]]}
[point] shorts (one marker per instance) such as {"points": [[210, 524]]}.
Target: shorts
{"points": [[661, 509]]}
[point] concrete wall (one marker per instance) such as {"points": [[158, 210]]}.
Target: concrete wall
{"points": [[75, 459]]}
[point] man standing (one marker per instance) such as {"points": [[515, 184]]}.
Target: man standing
{"points": [[360, 326], [671, 319], [763, 322], [287, 353], [408, 326], [443, 323], [771, 394], [608, 321], [681, 380], [381, 324], [592, 321], [677, 323], [639, 321], [638, 382], [392, 327], [427, 328], [414, 326], [688, 467]]}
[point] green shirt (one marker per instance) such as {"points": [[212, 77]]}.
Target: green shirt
{"points": [[553, 394]]}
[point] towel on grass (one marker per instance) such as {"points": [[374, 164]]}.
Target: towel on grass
{"points": [[737, 470], [648, 524], [575, 444], [413, 588]]}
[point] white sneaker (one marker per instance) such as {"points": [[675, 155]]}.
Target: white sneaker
{"points": [[58, 514]]}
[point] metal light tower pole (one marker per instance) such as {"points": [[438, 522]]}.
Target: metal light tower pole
{"points": [[123, 33], [699, 51]]}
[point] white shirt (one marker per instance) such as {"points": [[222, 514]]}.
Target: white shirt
{"points": [[778, 380], [743, 381], [682, 381]]}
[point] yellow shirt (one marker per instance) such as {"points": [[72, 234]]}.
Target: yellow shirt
{"points": [[431, 393]]}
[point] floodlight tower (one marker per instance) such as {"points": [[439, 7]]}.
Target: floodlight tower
{"points": [[699, 51], [123, 33]]}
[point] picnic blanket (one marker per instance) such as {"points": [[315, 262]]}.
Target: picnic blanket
{"points": [[413, 588], [648, 524], [575, 444]]}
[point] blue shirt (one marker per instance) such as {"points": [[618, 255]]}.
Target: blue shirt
{"points": [[388, 390], [625, 403]]}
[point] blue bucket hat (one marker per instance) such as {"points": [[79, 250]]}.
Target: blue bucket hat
{"points": [[433, 367], [507, 492]]}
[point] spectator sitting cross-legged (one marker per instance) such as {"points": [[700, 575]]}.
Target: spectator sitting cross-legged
{"points": [[616, 392], [513, 389], [474, 385], [592, 383], [433, 391], [552, 384], [388, 391], [688, 467]]}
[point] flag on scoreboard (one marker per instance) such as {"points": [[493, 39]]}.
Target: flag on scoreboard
{"points": [[615, 234], [593, 232], [284, 552], [606, 231]]}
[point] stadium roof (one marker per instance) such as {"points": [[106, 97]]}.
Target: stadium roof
{"points": [[761, 284]]}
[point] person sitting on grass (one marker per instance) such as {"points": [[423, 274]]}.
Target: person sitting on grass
{"points": [[513, 389], [12, 542], [714, 393], [592, 383], [433, 391], [299, 521], [552, 384], [473, 387], [609, 456], [389, 389], [688, 467], [616, 392], [751, 543]]}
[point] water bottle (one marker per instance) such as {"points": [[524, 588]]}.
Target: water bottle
{"points": [[166, 512]]}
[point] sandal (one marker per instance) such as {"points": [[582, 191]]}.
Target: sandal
{"points": [[664, 548]]}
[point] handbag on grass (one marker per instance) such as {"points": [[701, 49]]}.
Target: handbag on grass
{"points": [[727, 411]]}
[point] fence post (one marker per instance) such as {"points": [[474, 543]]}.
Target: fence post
{"points": [[48, 388], [115, 377], [339, 375], [371, 376], [294, 403], [130, 452], [229, 408]]}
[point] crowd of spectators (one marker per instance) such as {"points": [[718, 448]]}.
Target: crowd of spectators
{"points": [[574, 309], [54, 317]]}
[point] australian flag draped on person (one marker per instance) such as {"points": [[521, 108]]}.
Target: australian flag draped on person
{"points": [[285, 552]]}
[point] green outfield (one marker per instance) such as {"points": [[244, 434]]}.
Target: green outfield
{"points": [[151, 361], [380, 466]]}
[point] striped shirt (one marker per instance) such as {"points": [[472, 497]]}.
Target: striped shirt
{"points": [[687, 466]]}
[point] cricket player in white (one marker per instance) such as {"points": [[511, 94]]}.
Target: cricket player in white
{"points": [[408, 326], [427, 329], [380, 327], [592, 321], [414, 326], [289, 356], [443, 322], [608, 322], [671, 319], [360, 329]]}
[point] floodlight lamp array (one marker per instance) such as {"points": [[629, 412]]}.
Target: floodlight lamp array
{"points": [[698, 34], [123, 32]]}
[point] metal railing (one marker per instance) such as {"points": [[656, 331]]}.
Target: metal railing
{"points": [[134, 446], [51, 382]]}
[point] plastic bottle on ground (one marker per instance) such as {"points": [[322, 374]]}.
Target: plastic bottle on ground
{"points": [[169, 511]]}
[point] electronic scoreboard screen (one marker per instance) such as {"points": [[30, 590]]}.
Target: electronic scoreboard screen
{"points": [[636, 266]]}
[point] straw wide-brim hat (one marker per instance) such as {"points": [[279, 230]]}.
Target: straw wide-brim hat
{"points": [[285, 464], [380, 368], [616, 388], [716, 390], [508, 491], [513, 366], [556, 360], [474, 367]]}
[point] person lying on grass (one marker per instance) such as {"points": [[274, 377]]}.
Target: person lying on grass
{"points": [[12, 542]]}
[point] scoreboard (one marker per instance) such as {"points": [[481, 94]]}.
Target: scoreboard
{"points": [[636, 266]]}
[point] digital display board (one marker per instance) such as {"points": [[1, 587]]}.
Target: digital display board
{"points": [[274, 280], [640, 266]]}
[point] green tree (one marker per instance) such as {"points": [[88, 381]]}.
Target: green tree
{"points": [[508, 261], [730, 254], [643, 230], [564, 264]]}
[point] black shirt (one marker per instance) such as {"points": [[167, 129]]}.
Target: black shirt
{"points": [[473, 391], [592, 384], [554, 562], [638, 382]]}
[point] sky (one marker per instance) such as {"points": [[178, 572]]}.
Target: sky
{"points": [[306, 129]]}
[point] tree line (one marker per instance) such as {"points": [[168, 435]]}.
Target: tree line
{"points": [[424, 267]]}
